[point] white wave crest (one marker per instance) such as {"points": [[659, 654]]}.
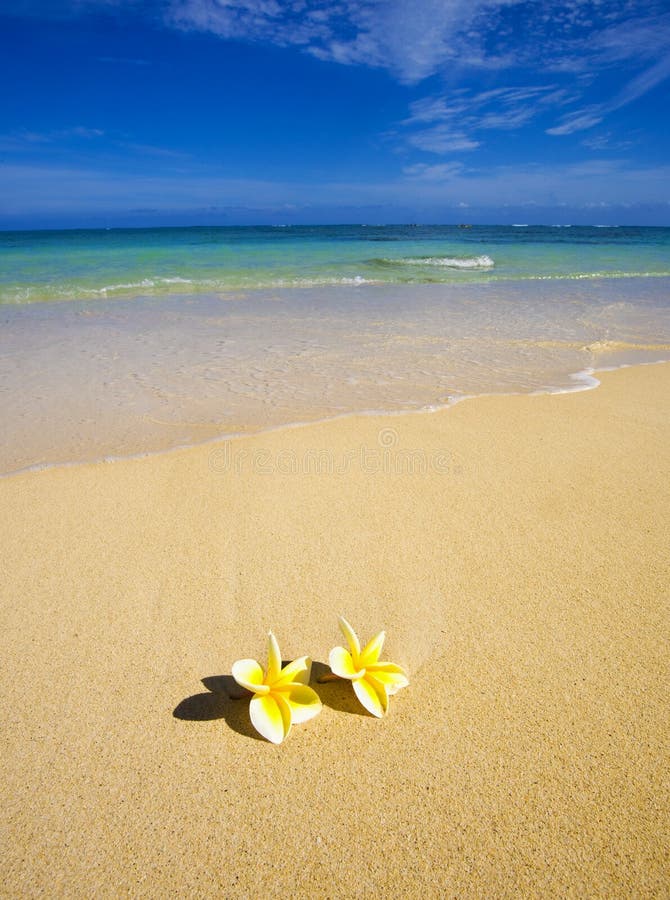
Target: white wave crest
{"points": [[450, 262], [318, 282], [131, 285]]}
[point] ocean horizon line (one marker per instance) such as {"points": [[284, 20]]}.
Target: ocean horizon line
{"points": [[4, 229]]}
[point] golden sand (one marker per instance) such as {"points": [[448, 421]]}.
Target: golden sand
{"points": [[518, 559]]}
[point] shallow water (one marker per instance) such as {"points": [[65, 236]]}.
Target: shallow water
{"points": [[97, 264], [92, 379]]}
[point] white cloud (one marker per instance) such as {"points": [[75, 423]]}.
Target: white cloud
{"points": [[583, 36], [643, 37], [151, 150], [456, 119], [433, 109], [578, 121], [588, 183], [411, 39], [591, 183], [439, 172], [633, 90], [82, 132], [441, 139], [414, 39], [81, 141], [606, 141], [417, 39], [55, 188], [253, 20], [643, 83], [23, 138]]}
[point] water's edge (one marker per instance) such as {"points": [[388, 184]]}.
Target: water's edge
{"points": [[584, 380]]}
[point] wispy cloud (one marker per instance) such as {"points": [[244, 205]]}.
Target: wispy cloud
{"points": [[637, 87], [441, 139], [437, 173], [605, 140], [289, 23], [594, 184], [67, 9], [81, 131], [643, 83], [414, 39], [643, 34], [53, 188], [579, 120], [25, 138], [580, 36], [455, 121], [82, 139], [150, 150]]}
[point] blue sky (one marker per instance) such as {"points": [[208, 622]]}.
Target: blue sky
{"points": [[120, 112]]}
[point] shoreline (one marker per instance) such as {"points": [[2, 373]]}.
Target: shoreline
{"points": [[522, 584], [103, 380], [467, 277], [584, 381]]}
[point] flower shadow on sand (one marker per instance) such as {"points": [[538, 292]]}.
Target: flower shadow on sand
{"points": [[336, 694], [225, 699]]}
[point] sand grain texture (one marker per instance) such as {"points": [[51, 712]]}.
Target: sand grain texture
{"points": [[525, 588]]}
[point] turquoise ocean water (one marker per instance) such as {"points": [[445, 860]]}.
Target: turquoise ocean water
{"points": [[89, 264], [118, 342]]}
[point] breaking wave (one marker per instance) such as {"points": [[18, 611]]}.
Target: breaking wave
{"points": [[25, 294], [450, 262]]}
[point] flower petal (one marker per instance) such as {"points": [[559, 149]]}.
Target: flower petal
{"points": [[391, 676], [343, 665], [274, 659], [385, 664], [248, 674], [350, 635], [372, 650], [305, 674], [372, 696], [270, 716], [298, 670], [304, 703]]}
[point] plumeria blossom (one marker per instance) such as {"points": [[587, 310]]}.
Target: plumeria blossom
{"points": [[374, 682], [281, 696]]}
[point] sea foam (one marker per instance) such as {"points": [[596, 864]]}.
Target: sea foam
{"points": [[451, 262]]}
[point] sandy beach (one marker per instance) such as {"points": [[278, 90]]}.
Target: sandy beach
{"points": [[514, 548]]}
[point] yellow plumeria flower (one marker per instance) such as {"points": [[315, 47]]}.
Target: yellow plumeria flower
{"points": [[281, 696], [374, 682]]}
